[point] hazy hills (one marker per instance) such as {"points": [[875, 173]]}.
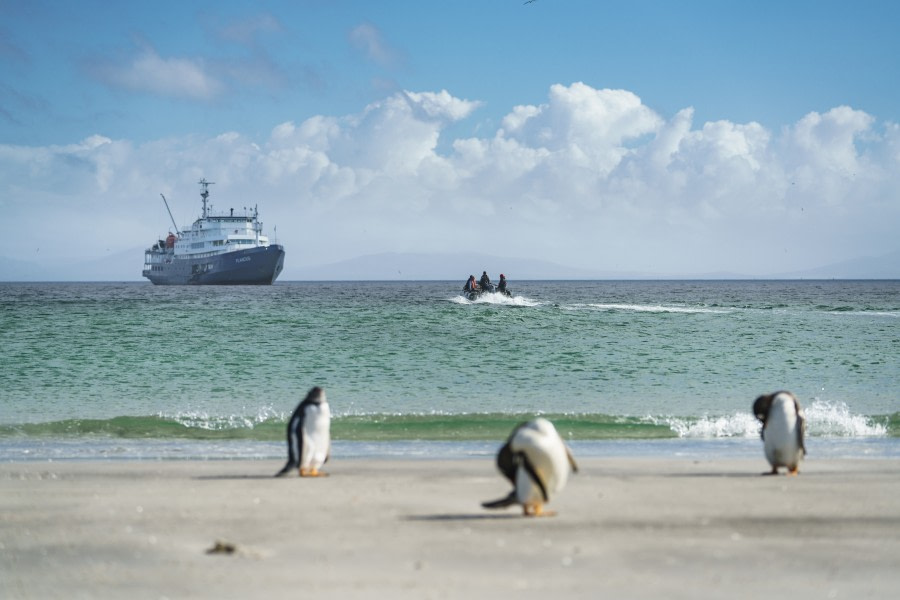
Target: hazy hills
{"points": [[126, 266]]}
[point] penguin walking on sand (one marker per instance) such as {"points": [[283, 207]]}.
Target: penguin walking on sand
{"points": [[309, 435], [783, 428], [537, 462]]}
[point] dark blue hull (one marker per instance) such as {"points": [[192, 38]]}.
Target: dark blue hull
{"points": [[254, 266]]}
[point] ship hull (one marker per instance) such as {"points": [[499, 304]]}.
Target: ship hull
{"points": [[253, 266]]}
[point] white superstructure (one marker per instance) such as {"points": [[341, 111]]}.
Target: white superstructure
{"points": [[210, 244]]}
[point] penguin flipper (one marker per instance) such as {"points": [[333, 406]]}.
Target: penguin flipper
{"points": [[535, 477], [502, 502], [571, 458], [287, 468]]}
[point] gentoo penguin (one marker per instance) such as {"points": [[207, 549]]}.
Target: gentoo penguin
{"points": [[782, 432], [537, 462], [309, 435]]}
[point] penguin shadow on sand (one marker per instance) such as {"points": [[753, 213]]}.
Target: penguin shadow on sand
{"points": [[230, 477], [711, 475], [450, 517]]}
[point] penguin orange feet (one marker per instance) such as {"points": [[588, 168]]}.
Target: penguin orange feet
{"points": [[536, 510], [795, 470], [312, 473]]}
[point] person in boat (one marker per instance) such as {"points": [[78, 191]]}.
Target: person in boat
{"points": [[501, 287], [485, 282], [470, 286]]}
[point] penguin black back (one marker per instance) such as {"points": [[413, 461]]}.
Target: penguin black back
{"points": [[507, 461]]}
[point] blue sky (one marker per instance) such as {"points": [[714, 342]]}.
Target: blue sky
{"points": [[676, 137]]}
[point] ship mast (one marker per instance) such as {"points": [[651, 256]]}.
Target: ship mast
{"points": [[170, 214], [205, 193], [257, 226]]}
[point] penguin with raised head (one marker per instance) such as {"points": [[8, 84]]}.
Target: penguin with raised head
{"points": [[309, 436], [783, 428], [537, 462]]}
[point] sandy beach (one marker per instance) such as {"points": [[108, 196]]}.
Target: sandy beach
{"points": [[625, 528]]}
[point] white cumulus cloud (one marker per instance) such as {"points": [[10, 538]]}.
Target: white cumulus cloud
{"points": [[591, 178]]}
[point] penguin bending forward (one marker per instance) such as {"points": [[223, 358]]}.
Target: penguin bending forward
{"points": [[537, 462], [309, 436], [783, 428]]}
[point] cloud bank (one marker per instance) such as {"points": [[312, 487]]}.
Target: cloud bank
{"points": [[592, 178]]}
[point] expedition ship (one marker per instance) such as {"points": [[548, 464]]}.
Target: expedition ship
{"points": [[218, 249]]}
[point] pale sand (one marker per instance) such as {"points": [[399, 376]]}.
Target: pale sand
{"points": [[625, 528]]}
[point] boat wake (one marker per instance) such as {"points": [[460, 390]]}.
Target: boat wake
{"points": [[656, 308], [498, 299]]}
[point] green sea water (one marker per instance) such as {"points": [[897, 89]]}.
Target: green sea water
{"points": [[415, 361]]}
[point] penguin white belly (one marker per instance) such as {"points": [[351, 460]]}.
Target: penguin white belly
{"points": [[316, 437], [781, 439], [548, 457], [527, 490]]}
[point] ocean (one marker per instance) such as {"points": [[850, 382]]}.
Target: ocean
{"points": [[106, 371]]}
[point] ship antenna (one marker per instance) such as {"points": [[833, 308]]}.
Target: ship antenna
{"points": [[205, 193], [170, 214]]}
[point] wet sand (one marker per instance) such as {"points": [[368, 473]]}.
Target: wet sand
{"points": [[625, 528]]}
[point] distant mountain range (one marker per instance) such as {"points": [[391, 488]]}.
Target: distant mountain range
{"points": [[881, 267], [417, 267], [393, 266], [126, 266]]}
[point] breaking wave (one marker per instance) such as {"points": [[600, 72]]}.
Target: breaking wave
{"points": [[823, 420]]}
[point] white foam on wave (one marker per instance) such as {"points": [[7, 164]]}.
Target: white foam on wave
{"points": [[823, 419], [203, 420], [742, 425], [834, 419]]}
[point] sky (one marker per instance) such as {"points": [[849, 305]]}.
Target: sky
{"points": [[645, 136]]}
